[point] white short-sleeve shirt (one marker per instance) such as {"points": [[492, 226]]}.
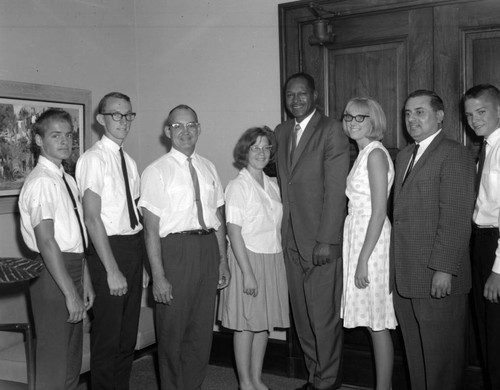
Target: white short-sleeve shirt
{"points": [[487, 208], [99, 169], [167, 191], [258, 210], [45, 196]]}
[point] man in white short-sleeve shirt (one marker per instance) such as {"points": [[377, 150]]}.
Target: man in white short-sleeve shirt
{"points": [[482, 110], [109, 183], [52, 226], [182, 201]]}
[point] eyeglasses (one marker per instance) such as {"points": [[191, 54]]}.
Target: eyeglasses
{"points": [[190, 126], [262, 149], [117, 116], [358, 118]]}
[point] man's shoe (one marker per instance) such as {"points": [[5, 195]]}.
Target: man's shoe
{"points": [[307, 386]]}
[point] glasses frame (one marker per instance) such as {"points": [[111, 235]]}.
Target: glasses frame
{"points": [[358, 118], [184, 126], [260, 149], [115, 115]]}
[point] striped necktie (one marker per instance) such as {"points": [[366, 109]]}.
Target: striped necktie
{"points": [[293, 142]]}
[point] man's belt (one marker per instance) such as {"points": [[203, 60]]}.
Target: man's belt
{"points": [[199, 232]]}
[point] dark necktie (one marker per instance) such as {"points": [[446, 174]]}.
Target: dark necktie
{"points": [[130, 203], [196, 185], [75, 208], [412, 162], [480, 165], [293, 143]]}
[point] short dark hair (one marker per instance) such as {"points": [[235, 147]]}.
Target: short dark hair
{"points": [[436, 102], [302, 75], [180, 107], [102, 103], [483, 89], [42, 124], [51, 115], [247, 139]]}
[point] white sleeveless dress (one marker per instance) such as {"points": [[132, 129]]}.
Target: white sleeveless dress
{"points": [[370, 307]]}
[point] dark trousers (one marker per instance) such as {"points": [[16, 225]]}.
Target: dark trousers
{"points": [[184, 328], [116, 318], [315, 297], [58, 343], [434, 335], [484, 245]]}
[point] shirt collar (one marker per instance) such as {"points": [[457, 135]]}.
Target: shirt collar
{"points": [[50, 165], [305, 121], [110, 144], [426, 142], [493, 138], [245, 173], [181, 157]]}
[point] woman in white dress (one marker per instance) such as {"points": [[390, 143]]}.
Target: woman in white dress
{"points": [[366, 300], [256, 300]]}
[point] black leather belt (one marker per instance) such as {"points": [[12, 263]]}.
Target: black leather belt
{"points": [[199, 232]]}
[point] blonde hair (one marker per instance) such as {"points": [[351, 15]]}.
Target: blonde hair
{"points": [[377, 116]]}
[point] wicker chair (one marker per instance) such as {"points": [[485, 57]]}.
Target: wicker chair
{"points": [[16, 273]]}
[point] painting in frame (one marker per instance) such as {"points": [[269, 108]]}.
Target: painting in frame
{"points": [[20, 106]]}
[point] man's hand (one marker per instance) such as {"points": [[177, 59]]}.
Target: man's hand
{"points": [[224, 275], [117, 283], [325, 253], [441, 284], [88, 293], [162, 290], [76, 309], [492, 288]]}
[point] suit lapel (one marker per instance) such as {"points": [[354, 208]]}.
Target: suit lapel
{"points": [[418, 165], [404, 160], [284, 146], [304, 140]]}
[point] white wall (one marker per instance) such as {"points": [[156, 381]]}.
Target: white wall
{"points": [[219, 56]]}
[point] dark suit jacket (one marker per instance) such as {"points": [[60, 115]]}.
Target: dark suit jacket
{"points": [[313, 186], [432, 218]]}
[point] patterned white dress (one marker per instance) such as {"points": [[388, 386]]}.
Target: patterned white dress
{"points": [[370, 307]]}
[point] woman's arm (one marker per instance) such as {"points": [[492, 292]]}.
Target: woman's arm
{"points": [[378, 167]]}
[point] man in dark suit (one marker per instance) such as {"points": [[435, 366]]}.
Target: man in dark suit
{"points": [[313, 162], [433, 201]]}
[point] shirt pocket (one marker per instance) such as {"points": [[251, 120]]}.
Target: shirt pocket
{"points": [[208, 195]]}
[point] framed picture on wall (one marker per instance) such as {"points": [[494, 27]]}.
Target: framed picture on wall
{"points": [[20, 106]]}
